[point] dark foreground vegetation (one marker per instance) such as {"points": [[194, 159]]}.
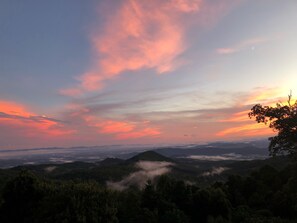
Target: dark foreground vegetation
{"points": [[266, 195]]}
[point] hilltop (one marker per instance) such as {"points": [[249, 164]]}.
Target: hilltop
{"points": [[149, 156]]}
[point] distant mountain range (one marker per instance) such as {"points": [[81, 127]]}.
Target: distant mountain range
{"points": [[198, 164], [245, 150], [217, 151]]}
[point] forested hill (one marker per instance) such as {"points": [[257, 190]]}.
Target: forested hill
{"points": [[267, 194], [149, 156], [151, 188], [114, 169]]}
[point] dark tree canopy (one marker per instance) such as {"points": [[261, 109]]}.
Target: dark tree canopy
{"points": [[283, 120]]}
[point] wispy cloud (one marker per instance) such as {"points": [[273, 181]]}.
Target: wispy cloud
{"points": [[71, 92], [244, 45], [141, 35], [237, 117], [122, 130], [267, 95], [152, 132], [144, 35], [31, 118], [240, 125], [228, 122], [12, 108], [19, 116], [100, 120], [255, 129], [115, 127]]}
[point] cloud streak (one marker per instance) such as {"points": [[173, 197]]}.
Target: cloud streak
{"points": [[256, 129], [122, 130], [18, 116], [99, 120], [244, 45], [125, 121], [240, 125]]}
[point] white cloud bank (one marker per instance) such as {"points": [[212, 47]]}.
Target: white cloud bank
{"points": [[215, 171], [148, 171]]}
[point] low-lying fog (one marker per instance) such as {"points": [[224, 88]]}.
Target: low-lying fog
{"points": [[148, 170]]}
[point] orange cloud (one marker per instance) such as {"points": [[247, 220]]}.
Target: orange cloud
{"points": [[110, 127], [238, 117], [248, 127], [268, 96], [18, 116], [121, 129], [12, 108], [255, 129], [264, 95], [139, 134]]}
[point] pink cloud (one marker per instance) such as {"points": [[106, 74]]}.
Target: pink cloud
{"points": [[100, 121], [17, 116], [147, 132], [237, 117], [72, 92], [187, 5], [246, 44], [227, 50], [120, 129], [110, 127], [139, 35]]}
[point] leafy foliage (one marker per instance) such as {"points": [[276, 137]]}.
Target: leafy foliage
{"points": [[76, 193], [282, 119], [266, 195]]}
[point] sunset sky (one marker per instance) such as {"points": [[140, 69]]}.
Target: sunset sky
{"points": [[98, 72]]}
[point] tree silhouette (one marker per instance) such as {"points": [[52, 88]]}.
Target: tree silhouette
{"points": [[282, 119]]}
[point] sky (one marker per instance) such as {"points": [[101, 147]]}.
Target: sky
{"points": [[101, 72]]}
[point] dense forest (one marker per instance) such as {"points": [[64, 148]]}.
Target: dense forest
{"points": [[266, 195]]}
